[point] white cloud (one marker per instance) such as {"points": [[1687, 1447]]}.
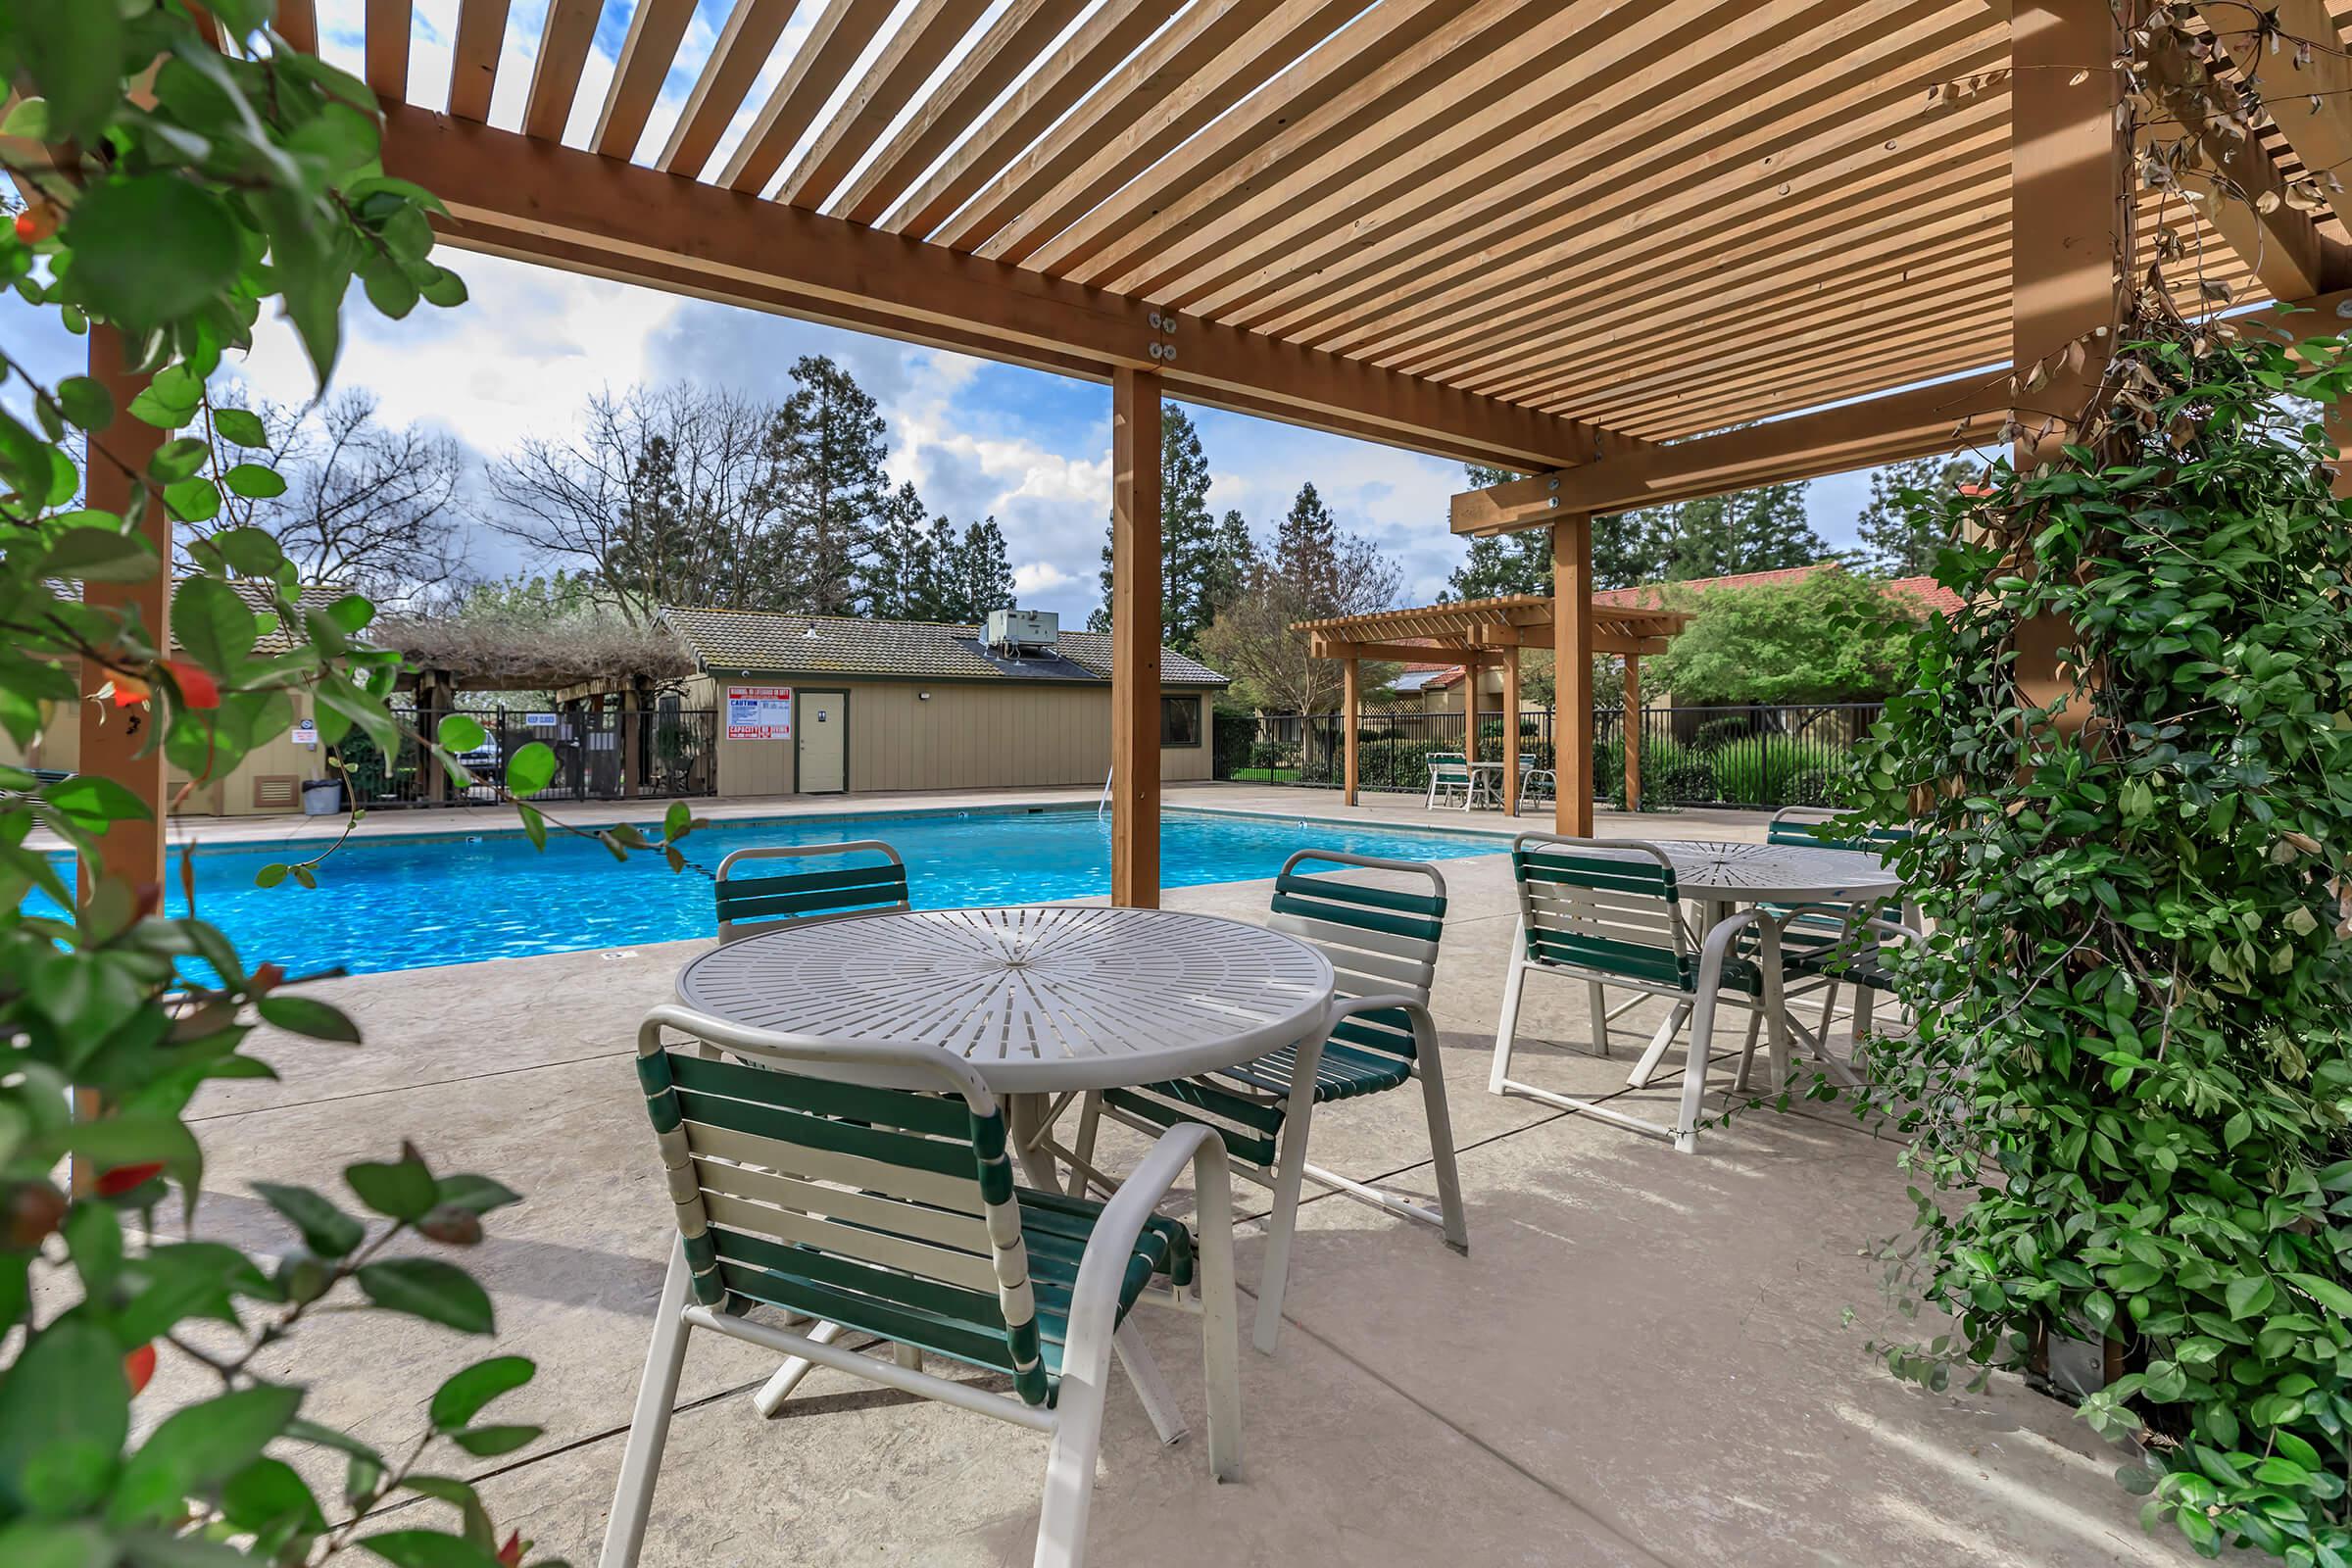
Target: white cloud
{"points": [[1033, 577]]}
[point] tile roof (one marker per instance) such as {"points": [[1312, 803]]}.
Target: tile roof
{"points": [[1928, 591], [1649, 593], [840, 645]]}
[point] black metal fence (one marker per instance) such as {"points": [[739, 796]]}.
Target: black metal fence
{"points": [[677, 754], [1761, 755]]}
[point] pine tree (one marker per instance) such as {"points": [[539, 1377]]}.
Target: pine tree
{"points": [[1897, 540], [1306, 553], [892, 580], [932, 595], [1231, 563], [982, 574], [826, 450], [1753, 530], [1626, 550], [1189, 571]]}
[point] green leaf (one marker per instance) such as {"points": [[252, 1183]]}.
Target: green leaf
{"points": [[240, 428], [169, 398], [196, 1450], [403, 1189], [309, 1017], [72, 51], [85, 401], [64, 1413], [476, 1194], [211, 622], [2329, 1294], [485, 1442], [460, 732], [427, 1548], [177, 459], [444, 288], [430, 1288], [268, 1492], [151, 248], [94, 801], [468, 1502], [534, 825], [530, 770], [253, 481], [2248, 1297], [55, 1543], [193, 500], [325, 1229], [461, 1397], [249, 551], [99, 554]]}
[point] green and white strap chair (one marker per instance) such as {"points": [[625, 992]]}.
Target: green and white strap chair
{"points": [[1607, 912], [1381, 934], [748, 904], [869, 1188], [1449, 775], [1818, 940]]}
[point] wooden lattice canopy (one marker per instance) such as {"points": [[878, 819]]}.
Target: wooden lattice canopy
{"points": [[1473, 626]]}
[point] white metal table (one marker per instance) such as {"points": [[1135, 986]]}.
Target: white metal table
{"points": [[1723, 876], [1046, 1001]]}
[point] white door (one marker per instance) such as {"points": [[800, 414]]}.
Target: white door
{"points": [[824, 728]]}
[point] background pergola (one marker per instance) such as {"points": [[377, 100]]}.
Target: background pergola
{"points": [[1482, 633], [1550, 235]]}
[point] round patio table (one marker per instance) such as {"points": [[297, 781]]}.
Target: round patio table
{"points": [[1722, 876], [1045, 1001]]}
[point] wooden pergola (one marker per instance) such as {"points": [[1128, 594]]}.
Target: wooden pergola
{"points": [[1581, 240], [1480, 635]]}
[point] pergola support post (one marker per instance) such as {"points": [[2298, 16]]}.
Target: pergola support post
{"points": [[1511, 731], [1572, 674], [113, 738], [1632, 728], [1352, 698], [1135, 546], [628, 741], [1470, 670]]}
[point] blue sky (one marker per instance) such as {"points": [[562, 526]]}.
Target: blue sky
{"points": [[976, 438]]}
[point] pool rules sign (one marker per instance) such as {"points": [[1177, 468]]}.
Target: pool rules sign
{"points": [[758, 713]]}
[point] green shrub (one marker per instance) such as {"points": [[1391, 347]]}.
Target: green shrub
{"points": [[2129, 1093]]}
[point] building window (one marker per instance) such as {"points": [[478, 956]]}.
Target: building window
{"points": [[1179, 722]]}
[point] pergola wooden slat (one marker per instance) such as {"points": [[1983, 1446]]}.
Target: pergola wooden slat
{"points": [[1575, 239], [1489, 633]]}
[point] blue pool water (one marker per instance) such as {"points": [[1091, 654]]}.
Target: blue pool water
{"points": [[404, 904]]}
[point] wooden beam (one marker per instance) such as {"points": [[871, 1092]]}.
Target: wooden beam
{"points": [[1855, 435], [1470, 667], [840, 34], [519, 194], [297, 22], [1510, 733], [556, 74], [645, 55], [2238, 181], [1010, 45], [1572, 674], [1352, 702], [385, 63], [1603, 642], [473, 65], [907, 61], [1631, 727], [734, 63], [113, 740], [2309, 100], [1135, 546]]}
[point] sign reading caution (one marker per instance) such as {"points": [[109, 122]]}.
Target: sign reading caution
{"points": [[758, 713]]}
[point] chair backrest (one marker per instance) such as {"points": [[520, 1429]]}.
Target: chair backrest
{"points": [[867, 1187], [1608, 905], [1796, 824], [1448, 767], [1379, 923], [748, 902]]}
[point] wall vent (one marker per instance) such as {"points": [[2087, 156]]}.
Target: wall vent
{"points": [[276, 792]]}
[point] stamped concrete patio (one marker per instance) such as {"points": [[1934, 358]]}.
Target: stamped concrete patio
{"points": [[1645, 1359]]}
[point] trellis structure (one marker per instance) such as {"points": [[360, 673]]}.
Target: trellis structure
{"points": [[1479, 634], [1574, 239]]}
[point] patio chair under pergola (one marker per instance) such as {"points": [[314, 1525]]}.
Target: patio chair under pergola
{"points": [[1491, 633], [1635, 253]]}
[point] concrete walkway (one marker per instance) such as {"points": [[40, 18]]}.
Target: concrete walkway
{"points": [[1645, 1358]]}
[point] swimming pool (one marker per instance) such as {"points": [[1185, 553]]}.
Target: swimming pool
{"points": [[404, 903]]}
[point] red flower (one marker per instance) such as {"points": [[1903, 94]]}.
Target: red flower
{"points": [[509, 1555], [138, 1366], [123, 1177], [196, 685]]}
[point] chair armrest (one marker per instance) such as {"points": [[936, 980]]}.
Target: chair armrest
{"points": [[1095, 1296]]}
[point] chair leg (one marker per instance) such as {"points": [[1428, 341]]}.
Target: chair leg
{"points": [[786, 1378], [1441, 1141], [1070, 1469], [1694, 1075], [1290, 1170], [1506, 1031], [1220, 1312], [1747, 1052], [1598, 995], [649, 1426], [1655, 1052], [1090, 1122], [1151, 1388]]}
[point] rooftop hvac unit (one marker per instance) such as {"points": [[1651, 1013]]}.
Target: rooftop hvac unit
{"points": [[1023, 631]]}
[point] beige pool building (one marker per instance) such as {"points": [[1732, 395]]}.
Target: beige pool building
{"points": [[821, 705]]}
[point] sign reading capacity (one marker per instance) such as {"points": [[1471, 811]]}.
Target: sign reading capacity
{"points": [[758, 713]]}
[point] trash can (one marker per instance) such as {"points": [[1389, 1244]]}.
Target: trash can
{"points": [[321, 797]]}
